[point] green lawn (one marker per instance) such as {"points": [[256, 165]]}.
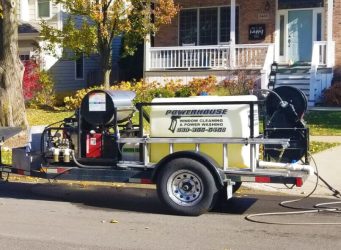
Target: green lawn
{"points": [[324, 122], [6, 156], [317, 146], [45, 117]]}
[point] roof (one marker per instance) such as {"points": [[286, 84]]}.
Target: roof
{"points": [[27, 28]]}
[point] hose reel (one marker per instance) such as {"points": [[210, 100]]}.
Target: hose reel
{"points": [[284, 111]]}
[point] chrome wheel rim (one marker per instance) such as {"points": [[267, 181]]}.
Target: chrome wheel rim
{"points": [[185, 188]]}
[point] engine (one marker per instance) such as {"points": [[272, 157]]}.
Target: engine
{"points": [[90, 137]]}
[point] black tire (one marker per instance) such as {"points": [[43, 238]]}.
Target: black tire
{"points": [[236, 186], [186, 187]]}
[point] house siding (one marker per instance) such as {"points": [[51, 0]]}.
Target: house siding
{"points": [[63, 72], [116, 55], [33, 15], [27, 45]]}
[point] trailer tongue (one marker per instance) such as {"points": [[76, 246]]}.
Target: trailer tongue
{"points": [[196, 147]]}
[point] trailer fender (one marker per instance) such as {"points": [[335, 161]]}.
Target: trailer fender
{"points": [[204, 159]]}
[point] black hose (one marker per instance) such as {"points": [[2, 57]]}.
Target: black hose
{"points": [[80, 165], [321, 207], [44, 131]]}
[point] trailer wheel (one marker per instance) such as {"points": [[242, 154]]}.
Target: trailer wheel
{"points": [[186, 187]]}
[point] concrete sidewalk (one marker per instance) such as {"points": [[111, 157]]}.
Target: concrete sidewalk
{"points": [[329, 167]]}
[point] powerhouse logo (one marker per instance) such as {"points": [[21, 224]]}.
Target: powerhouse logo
{"points": [[196, 120]]}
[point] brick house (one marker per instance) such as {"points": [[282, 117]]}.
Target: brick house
{"points": [[219, 37]]}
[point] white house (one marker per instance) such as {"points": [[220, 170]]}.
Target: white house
{"points": [[68, 75]]}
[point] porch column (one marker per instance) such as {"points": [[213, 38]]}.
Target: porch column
{"points": [[233, 34], [146, 60], [330, 44]]}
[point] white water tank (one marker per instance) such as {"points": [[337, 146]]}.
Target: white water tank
{"points": [[208, 120]]}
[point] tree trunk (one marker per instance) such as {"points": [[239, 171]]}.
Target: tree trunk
{"points": [[105, 52], [12, 106], [106, 78]]}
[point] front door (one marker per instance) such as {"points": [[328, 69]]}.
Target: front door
{"points": [[300, 35]]}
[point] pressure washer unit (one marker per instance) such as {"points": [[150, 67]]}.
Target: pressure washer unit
{"points": [[191, 148]]}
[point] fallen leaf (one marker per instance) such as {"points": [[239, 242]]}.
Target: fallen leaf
{"points": [[114, 221]]}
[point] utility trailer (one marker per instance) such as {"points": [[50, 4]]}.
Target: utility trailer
{"points": [[196, 149]]}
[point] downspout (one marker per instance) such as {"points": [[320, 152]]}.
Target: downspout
{"points": [[233, 34]]}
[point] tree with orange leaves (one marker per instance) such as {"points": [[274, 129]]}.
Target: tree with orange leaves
{"points": [[92, 25]]}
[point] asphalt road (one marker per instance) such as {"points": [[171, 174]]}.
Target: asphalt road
{"points": [[49, 216]]}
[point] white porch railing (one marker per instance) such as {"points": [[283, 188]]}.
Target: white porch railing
{"points": [[319, 54], [323, 55], [246, 56], [251, 55], [265, 72]]}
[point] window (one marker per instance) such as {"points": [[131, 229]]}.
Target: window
{"points": [[44, 8], [319, 27], [188, 27], [206, 26], [79, 64], [225, 21], [294, 4], [208, 34], [24, 57], [281, 35]]}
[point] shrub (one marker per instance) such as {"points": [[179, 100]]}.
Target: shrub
{"points": [[184, 91], [145, 91], [161, 92], [38, 86], [202, 85], [332, 95], [31, 79], [73, 102], [241, 86], [45, 97]]}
